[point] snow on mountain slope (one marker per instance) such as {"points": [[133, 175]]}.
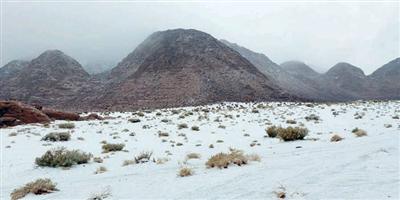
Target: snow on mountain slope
{"points": [[315, 168]]}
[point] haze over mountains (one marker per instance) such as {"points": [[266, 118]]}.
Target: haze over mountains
{"points": [[184, 67]]}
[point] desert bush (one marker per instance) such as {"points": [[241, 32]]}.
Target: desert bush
{"points": [[37, 187], [97, 160], [312, 117], [163, 134], [192, 156], [291, 121], [134, 120], [128, 162], [195, 128], [185, 171], [143, 157], [67, 125], [272, 131], [12, 134], [336, 138], [359, 132], [165, 120], [112, 147], [62, 136], [181, 126], [61, 157], [223, 160], [292, 133], [100, 170]]}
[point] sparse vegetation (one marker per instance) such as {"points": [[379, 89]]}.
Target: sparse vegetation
{"points": [[185, 171], [192, 156], [195, 128], [143, 157], [61, 157], [134, 120], [100, 170], [53, 137], [37, 187], [336, 138], [67, 125], [223, 160], [181, 126], [287, 134], [112, 147], [359, 132]]}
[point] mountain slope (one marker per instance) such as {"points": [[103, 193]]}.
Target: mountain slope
{"points": [[278, 75], [12, 68], [387, 79], [185, 67], [49, 79]]}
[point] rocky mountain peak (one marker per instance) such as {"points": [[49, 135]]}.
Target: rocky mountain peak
{"points": [[298, 68], [344, 68]]}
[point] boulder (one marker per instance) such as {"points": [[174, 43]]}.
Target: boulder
{"points": [[24, 113], [60, 115]]}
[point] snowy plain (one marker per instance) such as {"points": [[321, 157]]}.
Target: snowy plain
{"points": [[314, 168]]}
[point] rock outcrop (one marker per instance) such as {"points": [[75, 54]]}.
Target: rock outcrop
{"points": [[14, 113]]}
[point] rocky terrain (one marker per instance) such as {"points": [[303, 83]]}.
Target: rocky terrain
{"points": [[183, 67]]}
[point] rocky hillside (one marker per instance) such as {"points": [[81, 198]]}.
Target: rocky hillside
{"points": [[12, 68], [185, 67], [51, 79], [283, 77]]}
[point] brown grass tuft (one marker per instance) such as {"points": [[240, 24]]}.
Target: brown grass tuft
{"points": [[37, 187]]}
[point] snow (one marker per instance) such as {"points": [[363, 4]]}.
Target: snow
{"points": [[314, 168]]}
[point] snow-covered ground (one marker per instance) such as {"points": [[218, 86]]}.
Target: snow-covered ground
{"points": [[314, 168]]}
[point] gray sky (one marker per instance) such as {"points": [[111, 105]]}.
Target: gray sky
{"points": [[320, 34]]}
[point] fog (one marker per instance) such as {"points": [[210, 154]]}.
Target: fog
{"points": [[319, 34]]}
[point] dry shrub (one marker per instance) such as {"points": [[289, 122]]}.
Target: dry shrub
{"points": [[195, 128], [185, 171], [134, 120], [37, 187], [192, 156], [67, 125], [253, 157], [336, 138], [97, 160], [181, 126], [272, 131], [223, 160], [143, 157], [163, 134], [112, 147], [53, 137], [62, 158], [292, 133], [360, 132], [128, 162], [100, 170], [291, 121]]}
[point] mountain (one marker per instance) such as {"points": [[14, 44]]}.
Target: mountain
{"points": [[279, 75], [185, 67], [50, 79], [387, 79], [12, 68]]}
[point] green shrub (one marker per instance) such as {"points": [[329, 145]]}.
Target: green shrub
{"points": [[112, 147], [62, 158], [53, 137], [38, 187], [67, 125]]}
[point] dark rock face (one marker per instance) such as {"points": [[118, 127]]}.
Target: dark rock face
{"points": [[185, 67], [51, 79]]}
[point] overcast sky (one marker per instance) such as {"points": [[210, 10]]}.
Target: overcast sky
{"points": [[319, 34]]}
